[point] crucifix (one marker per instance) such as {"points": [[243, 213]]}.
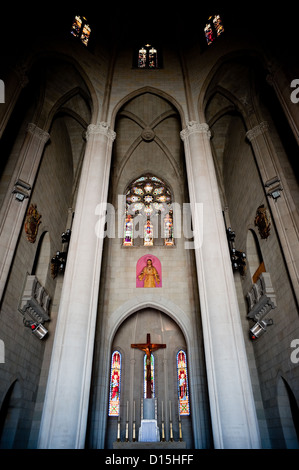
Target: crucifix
{"points": [[148, 348]]}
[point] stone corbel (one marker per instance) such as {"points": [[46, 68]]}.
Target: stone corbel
{"points": [[21, 190]]}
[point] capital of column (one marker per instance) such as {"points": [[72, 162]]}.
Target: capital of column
{"points": [[101, 128], [194, 127], [257, 130], [42, 135]]}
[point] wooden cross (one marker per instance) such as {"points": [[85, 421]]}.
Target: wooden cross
{"points": [[148, 348]]}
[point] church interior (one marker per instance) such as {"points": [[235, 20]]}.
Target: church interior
{"points": [[149, 229]]}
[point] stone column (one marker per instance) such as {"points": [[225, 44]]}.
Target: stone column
{"points": [[66, 403], [233, 415], [284, 211], [14, 208]]}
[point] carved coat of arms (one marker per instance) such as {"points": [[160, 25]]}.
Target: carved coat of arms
{"points": [[263, 221], [32, 222]]}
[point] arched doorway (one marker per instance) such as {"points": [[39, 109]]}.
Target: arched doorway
{"points": [[162, 330]]}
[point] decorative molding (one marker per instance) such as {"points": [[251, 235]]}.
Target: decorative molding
{"points": [[257, 130], [42, 135], [35, 300], [194, 127], [101, 128]]}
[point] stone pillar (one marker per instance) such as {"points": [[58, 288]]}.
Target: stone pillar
{"points": [[233, 415], [284, 211], [14, 208], [66, 403]]}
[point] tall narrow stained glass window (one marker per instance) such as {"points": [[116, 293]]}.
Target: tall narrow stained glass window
{"points": [[80, 29], [213, 29], [149, 212], [152, 376], [183, 389], [115, 376]]}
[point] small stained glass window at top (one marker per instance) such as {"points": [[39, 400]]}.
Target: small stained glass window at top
{"points": [[114, 393], [183, 389], [80, 29], [213, 29], [147, 57]]}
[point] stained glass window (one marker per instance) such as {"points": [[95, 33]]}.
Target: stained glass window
{"points": [[114, 395], [183, 390], [148, 198], [147, 57], [213, 29], [152, 376], [80, 29]]}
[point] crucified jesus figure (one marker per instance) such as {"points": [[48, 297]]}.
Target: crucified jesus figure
{"points": [[148, 348]]}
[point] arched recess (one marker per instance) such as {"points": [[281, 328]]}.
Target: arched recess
{"points": [[10, 412], [200, 414], [162, 330], [289, 414]]}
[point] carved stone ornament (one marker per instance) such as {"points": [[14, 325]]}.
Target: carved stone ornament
{"points": [[101, 128], [32, 222], [195, 127], [263, 221], [148, 134]]}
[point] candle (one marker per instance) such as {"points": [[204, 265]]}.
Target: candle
{"points": [[127, 411], [169, 410], [162, 412], [134, 412]]}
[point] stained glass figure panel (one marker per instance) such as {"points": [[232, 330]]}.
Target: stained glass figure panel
{"points": [[128, 235], [76, 27], [152, 376], [218, 25], [209, 33], [142, 53], [168, 229], [183, 389], [213, 29], [148, 234], [85, 34], [115, 377]]}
